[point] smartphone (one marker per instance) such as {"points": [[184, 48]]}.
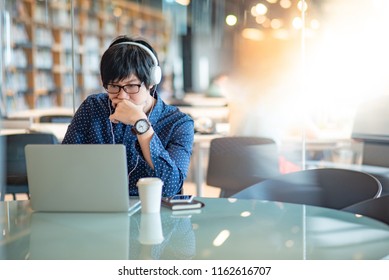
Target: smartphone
{"points": [[181, 198]]}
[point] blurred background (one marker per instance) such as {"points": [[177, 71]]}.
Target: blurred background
{"points": [[312, 75]]}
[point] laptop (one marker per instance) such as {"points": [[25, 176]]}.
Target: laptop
{"points": [[79, 178]]}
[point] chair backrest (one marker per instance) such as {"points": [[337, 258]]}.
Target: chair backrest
{"points": [[2, 169], [237, 162], [55, 118], [325, 187], [376, 208], [15, 161]]}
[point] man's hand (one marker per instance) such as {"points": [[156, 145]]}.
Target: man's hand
{"points": [[127, 112]]}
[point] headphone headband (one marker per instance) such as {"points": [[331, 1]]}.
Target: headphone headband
{"points": [[142, 47], [155, 70]]}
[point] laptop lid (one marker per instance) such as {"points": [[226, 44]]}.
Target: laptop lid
{"points": [[78, 178]]}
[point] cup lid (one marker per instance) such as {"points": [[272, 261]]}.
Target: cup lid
{"points": [[149, 181]]}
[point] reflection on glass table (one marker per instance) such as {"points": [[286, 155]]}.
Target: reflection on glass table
{"points": [[223, 229]]}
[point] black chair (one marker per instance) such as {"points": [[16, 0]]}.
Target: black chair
{"points": [[15, 161], [376, 208], [237, 162], [326, 187], [55, 119]]}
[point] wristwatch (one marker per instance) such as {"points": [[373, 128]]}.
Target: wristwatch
{"points": [[141, 126]]}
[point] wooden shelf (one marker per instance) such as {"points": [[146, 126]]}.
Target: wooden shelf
{"points": [[41, 56]]}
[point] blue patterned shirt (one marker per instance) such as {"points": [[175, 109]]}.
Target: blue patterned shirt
{"points": [[170, 146]]}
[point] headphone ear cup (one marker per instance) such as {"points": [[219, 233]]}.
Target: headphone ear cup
{"points": [[155, 75]]}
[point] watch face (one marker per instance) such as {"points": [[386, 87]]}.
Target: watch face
{"points": [[142, 126]]}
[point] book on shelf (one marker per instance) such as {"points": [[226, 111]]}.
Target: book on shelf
{"points": [[194, 204]]}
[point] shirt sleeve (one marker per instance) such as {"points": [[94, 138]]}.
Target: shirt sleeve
{"points": [[171, 164], [78, 129]]}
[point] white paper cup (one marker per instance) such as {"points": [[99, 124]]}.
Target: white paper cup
{"points": [[150, 232], [150, 194]]}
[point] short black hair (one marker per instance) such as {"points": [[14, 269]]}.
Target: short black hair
{"points": [[120, 61]]}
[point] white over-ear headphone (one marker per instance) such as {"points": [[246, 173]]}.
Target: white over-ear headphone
{"points": [[156, 73]]}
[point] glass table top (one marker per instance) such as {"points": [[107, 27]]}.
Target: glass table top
{"points": [[223, 229]]}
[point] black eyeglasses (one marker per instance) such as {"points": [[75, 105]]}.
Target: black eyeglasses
{"points": [[130, 88]]}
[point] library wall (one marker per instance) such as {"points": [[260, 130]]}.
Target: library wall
{"points": [[47, 41]]}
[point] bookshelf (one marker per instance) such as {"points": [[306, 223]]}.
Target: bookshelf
{"points": [[39, 62]]}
